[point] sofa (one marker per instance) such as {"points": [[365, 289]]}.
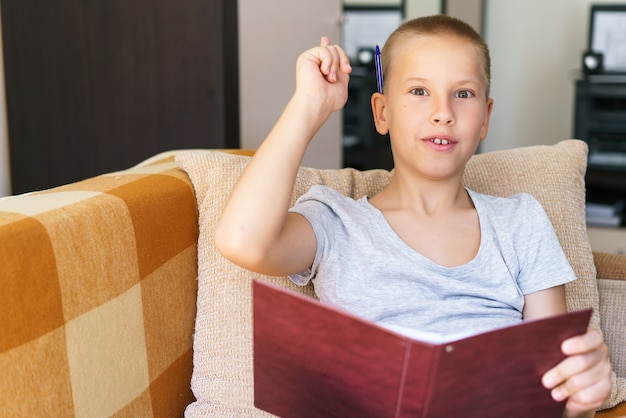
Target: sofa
{"points": [[110, 307]]}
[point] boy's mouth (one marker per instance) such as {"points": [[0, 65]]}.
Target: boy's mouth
{"points": [[440, 142]]}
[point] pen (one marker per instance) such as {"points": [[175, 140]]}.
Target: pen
{"points": [[379, 70]]}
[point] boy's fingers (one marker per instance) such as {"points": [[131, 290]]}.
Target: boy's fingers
{"points": [[576, 382], [584, 378], [336, 62], [589, 398], [332, 59], [582, 343], [573, 366], [323, 55], [344, 61], [583, 351], [563, 371]]}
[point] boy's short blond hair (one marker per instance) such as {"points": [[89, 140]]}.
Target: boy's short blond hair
{"points": [[435, 25]]}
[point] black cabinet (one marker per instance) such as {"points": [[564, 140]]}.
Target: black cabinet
{"points": [[98, 85], [363, 147], [600, 120]]}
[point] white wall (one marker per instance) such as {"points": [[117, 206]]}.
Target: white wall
{"points": [[413, 8], [536, 48], [272, 33]]}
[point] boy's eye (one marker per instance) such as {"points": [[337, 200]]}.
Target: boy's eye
{"points": [[464, 94], [418, 91]]}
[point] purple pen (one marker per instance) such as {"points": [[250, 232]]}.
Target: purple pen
{"points": [[379, 70]]}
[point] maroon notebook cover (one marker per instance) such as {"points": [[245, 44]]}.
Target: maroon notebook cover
{"points": [[313, 360]]}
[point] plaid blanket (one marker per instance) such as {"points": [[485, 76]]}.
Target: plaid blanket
{"points": [[97, 300]]}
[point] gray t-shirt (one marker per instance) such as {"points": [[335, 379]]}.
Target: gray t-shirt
{"points": [[361, 265]]}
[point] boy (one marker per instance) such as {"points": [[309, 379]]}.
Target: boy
{"points": [[424, 253]]}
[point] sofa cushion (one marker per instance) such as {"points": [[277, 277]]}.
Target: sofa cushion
{"points": [[223, 377], [612, 289]]}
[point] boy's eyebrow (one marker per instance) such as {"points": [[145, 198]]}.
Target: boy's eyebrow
{"points": [[419, 79], [459, 82]]}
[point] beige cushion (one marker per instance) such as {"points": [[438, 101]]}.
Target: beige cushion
{"points": [[612, 303], [223, 378]]}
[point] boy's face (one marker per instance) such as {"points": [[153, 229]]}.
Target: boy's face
{"points": [[434, 104]]}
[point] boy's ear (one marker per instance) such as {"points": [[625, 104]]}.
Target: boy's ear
{"points": [[379, 108], [485, 128]]}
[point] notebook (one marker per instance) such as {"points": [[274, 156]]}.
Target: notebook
{"points": [[314, 360]]}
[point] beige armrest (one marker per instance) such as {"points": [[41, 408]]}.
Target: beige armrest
{"points": [[610, 266]]}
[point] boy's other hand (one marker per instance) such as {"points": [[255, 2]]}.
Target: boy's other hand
{"points": [[584, 377]]}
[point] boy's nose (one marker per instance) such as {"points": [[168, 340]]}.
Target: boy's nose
{"points": [[442, 113]]}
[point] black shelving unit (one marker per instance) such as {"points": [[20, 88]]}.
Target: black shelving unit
{"points": [[363, 147], [600, 120]]}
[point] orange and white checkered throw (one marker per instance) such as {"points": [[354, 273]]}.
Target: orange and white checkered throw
{"points": [[97, 296]]}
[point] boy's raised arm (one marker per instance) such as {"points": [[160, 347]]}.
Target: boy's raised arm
{"points": [[255, 230]]}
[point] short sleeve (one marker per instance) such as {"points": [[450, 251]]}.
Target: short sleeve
{"points": [[315, 207], [543, 263]]}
